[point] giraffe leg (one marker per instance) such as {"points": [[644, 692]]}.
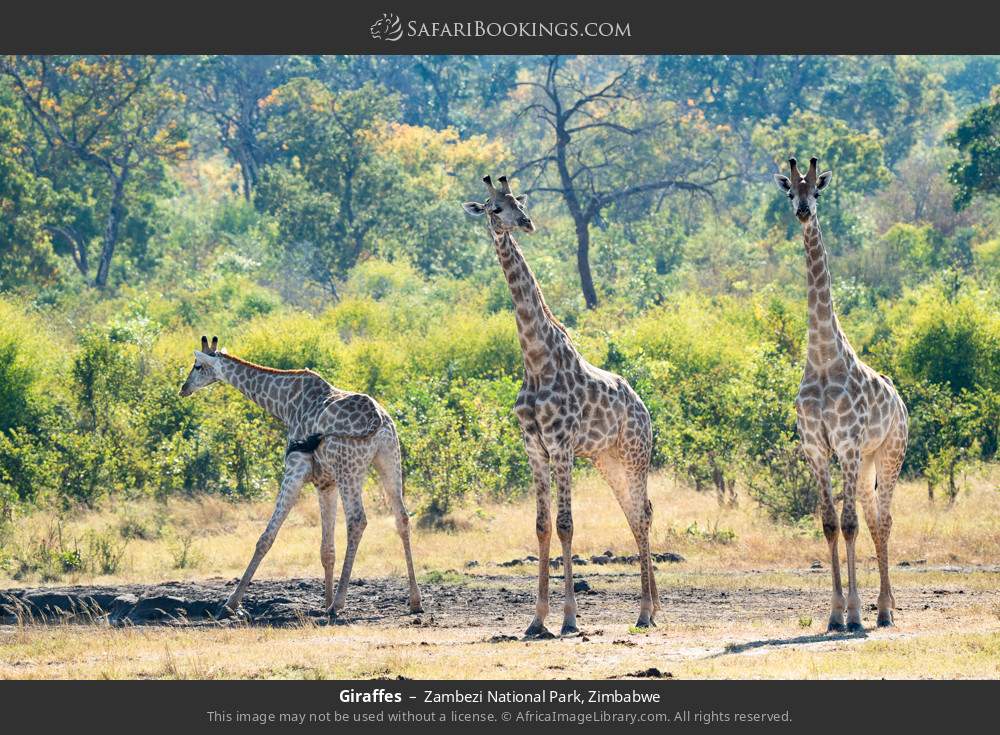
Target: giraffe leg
{"points": [[820, 465], [868, 495], [889, 463], [850, 462], [328, 516], [630, 490], [642, 511], [390, 470], [350, 483], [563, 470], [539, 461], [297, 468]]}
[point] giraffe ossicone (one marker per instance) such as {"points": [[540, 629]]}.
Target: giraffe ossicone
{"points": [[845, 409], [334, 437], [568, 408]]}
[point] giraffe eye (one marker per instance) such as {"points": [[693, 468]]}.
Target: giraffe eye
{"points": [[497, 210], [197, 367]]}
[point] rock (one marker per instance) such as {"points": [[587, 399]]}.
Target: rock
{"points": [[511, 563], [609, 553], [158, 607], [817, 564], [652, 673], [581, 585], [121, 607], [501, 638], [531, 558], [668, 556], [471, 564], [600, 559]]}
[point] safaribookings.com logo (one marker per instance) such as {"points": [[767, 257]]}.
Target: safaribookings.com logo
{"points": [[387, 28], [390, 28]]}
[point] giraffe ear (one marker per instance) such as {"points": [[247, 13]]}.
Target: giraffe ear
{"points": [[474, 208], [824, 179], [783, 183]]}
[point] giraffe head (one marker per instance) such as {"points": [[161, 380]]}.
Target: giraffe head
{"points": [[504, 211], [803, 190], [206, 367]]}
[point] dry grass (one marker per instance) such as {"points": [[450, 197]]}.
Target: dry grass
{"points": [[220, 535], [942, 642], [930, 648]]}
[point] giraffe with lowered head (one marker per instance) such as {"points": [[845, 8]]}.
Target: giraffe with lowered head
{"points": [[334, 437], [568, 408], [846, 409]]}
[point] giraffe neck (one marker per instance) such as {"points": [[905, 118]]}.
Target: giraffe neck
{"points": [[272, 390], [825, 338], [537, 328]]}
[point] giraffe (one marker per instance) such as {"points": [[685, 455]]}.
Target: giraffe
{"points": [[334, 436], [568, 408], [847, 409]]}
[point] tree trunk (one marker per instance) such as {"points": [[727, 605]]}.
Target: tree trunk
{"points": [[583, 264], [115, 215]]}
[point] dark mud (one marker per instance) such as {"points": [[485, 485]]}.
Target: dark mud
{"points": [[499, 602]]}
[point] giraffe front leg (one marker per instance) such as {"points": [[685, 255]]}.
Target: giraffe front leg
{"points": [[850, 461], [539, 462], [563, 469], [820, 465], [297, 468], [354, 512]]}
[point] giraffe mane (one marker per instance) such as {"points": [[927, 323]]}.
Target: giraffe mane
{"points": [[265, 368]]}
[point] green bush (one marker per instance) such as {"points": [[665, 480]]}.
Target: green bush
{"points": [[460, 442]]}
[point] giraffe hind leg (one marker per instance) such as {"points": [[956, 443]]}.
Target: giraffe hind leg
{"points": [[350, 477], [389, 467], [629, 488], [889, 463]]}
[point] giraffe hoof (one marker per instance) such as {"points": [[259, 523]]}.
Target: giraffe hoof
{"points": [[569, 631], [836, 626], [416, 609], [885, 620], [538, 632], [644, 624], [855, 628]]}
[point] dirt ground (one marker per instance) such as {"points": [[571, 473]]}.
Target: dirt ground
{"points": [[742, 597], [496, 604], [725, 624]]}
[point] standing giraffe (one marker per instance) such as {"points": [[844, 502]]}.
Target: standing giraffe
{"points": [[333, 438], [845, 408], [568, 408]]}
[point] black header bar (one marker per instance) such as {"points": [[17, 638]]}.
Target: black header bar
{"points": [[450, 27]]}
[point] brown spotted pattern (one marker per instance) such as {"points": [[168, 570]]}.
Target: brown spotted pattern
{"points": [[355, 434], [845, 409], [569, 408]]}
